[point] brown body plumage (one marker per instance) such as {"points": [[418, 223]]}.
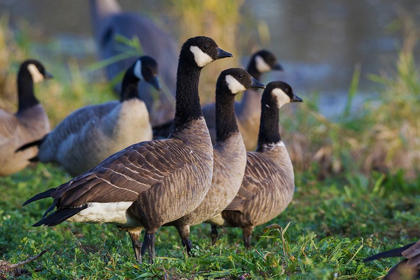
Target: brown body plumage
{"points": [[268, 184], [229, 154]]}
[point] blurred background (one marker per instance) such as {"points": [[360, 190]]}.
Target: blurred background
{"points": [[352, 61]]}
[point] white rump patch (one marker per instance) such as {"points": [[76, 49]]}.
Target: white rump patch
{"points": [[110, 212], [36, 75], [282, 97], [137, 70], [262, 66], [200, 57], [234, 85]]}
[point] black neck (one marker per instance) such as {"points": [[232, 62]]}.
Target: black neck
{"points": [[225, 115], [252, 69], [187, 106], [25, 86], [130, 86], [269, 125]]}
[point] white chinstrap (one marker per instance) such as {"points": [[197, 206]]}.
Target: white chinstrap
{"points": [[137, 70], [200, 57], [282, 97], [261, 65], [234, 85], [36, 75]]}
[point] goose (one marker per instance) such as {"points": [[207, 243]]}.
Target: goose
{"points": [[229, 154], [268, 184], [30, 122], [408, 268], [150, 183], [91, 134], [108, 21], [247, 113]]}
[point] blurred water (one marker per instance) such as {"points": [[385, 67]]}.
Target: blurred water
{"points": [[318, 42]]}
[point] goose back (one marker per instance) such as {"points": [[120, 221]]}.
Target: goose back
{"points": [[90, 134]]}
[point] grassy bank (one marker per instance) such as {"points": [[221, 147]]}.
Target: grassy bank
{"points": [[325, 233], [357, 193]]}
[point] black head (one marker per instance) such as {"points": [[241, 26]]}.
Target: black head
{"points": [[202, 50], [265, 61], [35, 69], [146, 68], [237, 80], [279, 92]]}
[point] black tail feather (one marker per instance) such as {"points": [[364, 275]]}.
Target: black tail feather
{"points": [[31, 144], [389, 254], [39, 196], [59, 216]]}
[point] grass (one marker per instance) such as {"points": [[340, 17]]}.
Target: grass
{"points": [[325, 233], [357, 194]]}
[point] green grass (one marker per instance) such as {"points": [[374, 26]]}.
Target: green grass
{"points": [[325, 233]]}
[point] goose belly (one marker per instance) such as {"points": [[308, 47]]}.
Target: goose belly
{"points": [[110, 212]]}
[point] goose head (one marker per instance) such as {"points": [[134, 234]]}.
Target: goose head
{"points": [[265, 61], [35, 69], [281, 93], [237, 80], [202, 50], [146, 68]]}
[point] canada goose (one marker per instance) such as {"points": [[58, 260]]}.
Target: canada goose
{"points": [[150, 183], [268, 184], [29, 123], [229, 153], [407, 269], [91, 134], [108, 21], [247, 112]]}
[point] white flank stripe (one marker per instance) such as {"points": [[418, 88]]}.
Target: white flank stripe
{"points": [[110, 212]]}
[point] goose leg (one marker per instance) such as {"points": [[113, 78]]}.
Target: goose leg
{"points": [[149, 241], [214, 234], [247, 232], [184, 233], [135, 236]]}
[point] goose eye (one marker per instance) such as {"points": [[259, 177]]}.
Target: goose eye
{"points": [[206, 47], [240, 76]]}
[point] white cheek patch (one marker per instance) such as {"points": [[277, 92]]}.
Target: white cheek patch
{"points": [[201, 58], [282, 97], [234, 85], [36, 75], [262, 66], [137, 70]]}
